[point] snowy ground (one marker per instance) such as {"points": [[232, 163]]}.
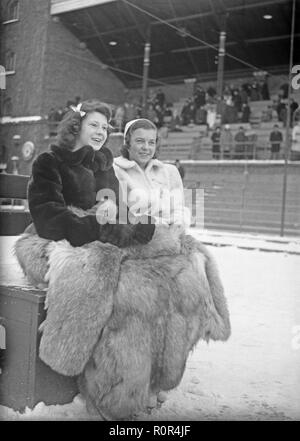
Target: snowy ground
{"points": [[253, 376]]}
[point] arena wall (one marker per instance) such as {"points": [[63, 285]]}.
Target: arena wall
{"points": [[51, 69]]}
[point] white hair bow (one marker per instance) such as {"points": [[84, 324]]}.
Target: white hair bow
{"points": [[77, 109]]}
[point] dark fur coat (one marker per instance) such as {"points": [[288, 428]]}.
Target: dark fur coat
{"points": [[61, 178], [125, 320]]}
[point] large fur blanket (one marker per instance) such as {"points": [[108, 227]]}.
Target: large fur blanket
{"points": [[125, 320]]}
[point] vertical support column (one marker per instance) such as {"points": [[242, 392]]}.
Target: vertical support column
{"points": [[147, 49], [220, 72], [288, 124]]}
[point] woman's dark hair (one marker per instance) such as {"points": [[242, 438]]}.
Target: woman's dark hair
{"points": [[141, 123], [70, 126]]}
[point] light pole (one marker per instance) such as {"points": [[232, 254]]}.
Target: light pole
{"points": [[147, 49], [288, 123], [221, 58]]}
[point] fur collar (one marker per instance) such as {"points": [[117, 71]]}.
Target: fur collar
{"points": [[86, 155], [103, 159], [126, 164]]}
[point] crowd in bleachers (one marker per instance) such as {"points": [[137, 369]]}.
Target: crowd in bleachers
{"points": [[235, 105], [200, 108], [158, 110]]}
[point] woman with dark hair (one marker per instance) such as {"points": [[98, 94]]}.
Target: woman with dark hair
{"points": [[122, 320], [72, 173], [150, 186]]}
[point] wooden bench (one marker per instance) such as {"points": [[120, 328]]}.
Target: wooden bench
{"points": [[24, 379]]}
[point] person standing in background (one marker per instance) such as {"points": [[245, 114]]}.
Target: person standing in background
{"points": [[226, 141], [275, 141], [216, 137]]}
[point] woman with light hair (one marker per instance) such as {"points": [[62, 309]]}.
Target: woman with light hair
{"points": [[149, 186]]}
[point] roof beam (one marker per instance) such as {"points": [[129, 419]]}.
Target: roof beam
{"points": [[62, 6], [211, 76], [188, 17], [202, 47]]}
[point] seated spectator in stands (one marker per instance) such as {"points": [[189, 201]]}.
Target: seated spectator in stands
{"points": [[199, 97], [284, 90], [240, 143], [267, 114], [255, 91], [186, 113], [245, 94], [246, 111], [151, 113], [160, 98], [232, 89], [138, 110], [211, 115], [226, 141], [211, 95], [119, 118], [265, 94], [237, 100], [283, 114], [216, 139], [275, 141], [279, 106], [151, 97], [159, 119], [229, 114], [180, 168], [192, 113], [130, 112], [176, 123], [168, 115], [294, 106], [248, 89], [201, 115]]}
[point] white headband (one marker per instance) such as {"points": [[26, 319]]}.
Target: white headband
{"points": [[129, 124]]}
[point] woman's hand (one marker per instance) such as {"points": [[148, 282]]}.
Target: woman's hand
{"points": [[124, 235], [143, 232]]}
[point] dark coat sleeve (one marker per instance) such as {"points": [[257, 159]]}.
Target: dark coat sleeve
{"points": [[51, 217], [54, 221]]}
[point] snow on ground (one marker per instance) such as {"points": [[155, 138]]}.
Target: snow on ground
{"points": [[255, 375]]}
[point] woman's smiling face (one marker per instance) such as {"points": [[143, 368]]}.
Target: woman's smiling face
{"points": [[93, 131], [142, 146]]}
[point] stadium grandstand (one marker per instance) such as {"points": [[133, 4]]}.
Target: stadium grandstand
{"points": [[214, 76]]}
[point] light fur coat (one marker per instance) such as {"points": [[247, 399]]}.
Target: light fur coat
{"points": [[156, 191], [125, 320]]}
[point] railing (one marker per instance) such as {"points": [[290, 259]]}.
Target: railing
{"points": [[247, 150], [244, 200]]}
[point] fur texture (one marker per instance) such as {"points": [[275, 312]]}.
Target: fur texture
{"points": [[126, 320]]}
